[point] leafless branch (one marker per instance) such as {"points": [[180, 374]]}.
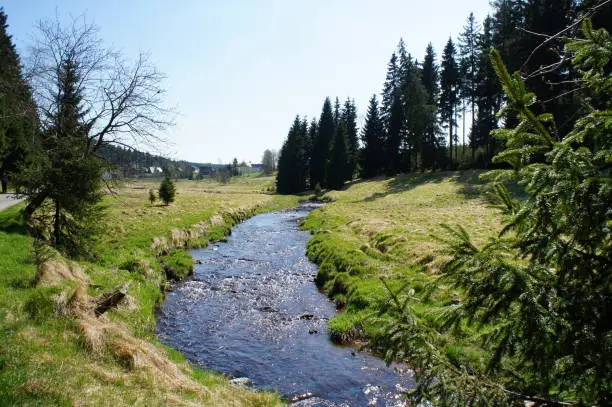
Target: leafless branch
{"points": [[122, 100], [550, 38]]}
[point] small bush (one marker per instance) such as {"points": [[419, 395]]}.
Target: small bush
{"points": [[167, 191], [152, 196]]}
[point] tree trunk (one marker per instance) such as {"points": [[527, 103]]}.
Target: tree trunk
{"points": [[35, 204], [463, 146]]}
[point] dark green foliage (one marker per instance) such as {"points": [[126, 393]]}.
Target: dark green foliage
{"points": [[430, 77], [321, 145], [488, 96], [18, 118], [292, 174], [449, 97], [540, 292], [417, 115], [66, 170], [349, 118], [469, 52], [372, 136], [167, 191], [338, 157]]}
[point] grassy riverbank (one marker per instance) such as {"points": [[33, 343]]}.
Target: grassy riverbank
{"points": [[382, 229], [53, 351]]}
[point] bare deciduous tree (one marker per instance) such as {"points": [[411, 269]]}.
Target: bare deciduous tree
{"points": [[122, 100]]}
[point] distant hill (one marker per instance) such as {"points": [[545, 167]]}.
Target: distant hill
{"points": [[131, 163]]}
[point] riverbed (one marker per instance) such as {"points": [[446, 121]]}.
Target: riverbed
{"points": [[252, 310]]}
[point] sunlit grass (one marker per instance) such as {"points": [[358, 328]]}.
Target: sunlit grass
{"points": [[383, 229], [45, 358]]}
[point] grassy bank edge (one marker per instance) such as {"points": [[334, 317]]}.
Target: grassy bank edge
{"points": [[38, 318]]}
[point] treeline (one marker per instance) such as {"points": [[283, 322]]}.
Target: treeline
{"points": [[128, 162], [415, 125]]}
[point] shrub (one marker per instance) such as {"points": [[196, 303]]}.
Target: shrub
{"points": [[167, 191]]}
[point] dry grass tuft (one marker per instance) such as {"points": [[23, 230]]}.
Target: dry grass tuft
{"points": [[135, 355], [217, 220], [54, 271]]}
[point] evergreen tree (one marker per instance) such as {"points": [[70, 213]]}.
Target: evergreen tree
{"points": [[449, 85], [349, 118], [391, 114], [337, 113], [431, 76], [338, 158], [67, 169], [416, 115], [320, 148], [539, 293], [469, 52], [292, 163], [311, 139], [167, 191], [488, 94], [372, 137], [18, 119]]}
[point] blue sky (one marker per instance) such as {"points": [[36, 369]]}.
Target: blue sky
{"points": [[239, 71]]}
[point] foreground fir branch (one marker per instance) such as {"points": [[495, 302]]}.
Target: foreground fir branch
{"points": [[539, 292]]}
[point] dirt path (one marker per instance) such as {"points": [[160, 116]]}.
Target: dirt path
{"points": [[7, 200]]}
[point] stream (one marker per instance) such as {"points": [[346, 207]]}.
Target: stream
{"points": [[252, 310]]}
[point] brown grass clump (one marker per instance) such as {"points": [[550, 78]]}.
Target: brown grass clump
{"points": [[217, 220], [160, 246], [53, 271], [134, 355]]}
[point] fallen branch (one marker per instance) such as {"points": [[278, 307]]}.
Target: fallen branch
{"points": [[110, 300]]}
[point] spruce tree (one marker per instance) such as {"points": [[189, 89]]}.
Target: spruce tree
{"points": [[372, 137], [337, 112], [469, 53], [431, 76], [292, 163], [18, 118], [321, 146], [349, 118], [167, 191], [488, 94], [539, 293], [392, 116], [338, 158], [416, 115], [65, 168], [449, 97]]}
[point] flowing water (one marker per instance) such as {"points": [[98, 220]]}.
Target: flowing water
{"points": [[252, 310]]}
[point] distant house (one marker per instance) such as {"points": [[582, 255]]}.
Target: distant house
{"points": [[256, 168]]}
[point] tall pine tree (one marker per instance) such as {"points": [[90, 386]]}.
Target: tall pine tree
{"points": [[430, 75], [349, 118], [469, 52], [449, 97], [372, 137], [321, 145], [292, 162], [18, 118], [338, 157]]}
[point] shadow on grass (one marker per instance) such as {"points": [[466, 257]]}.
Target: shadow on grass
{"points": [[471, 187], [13, 222]]}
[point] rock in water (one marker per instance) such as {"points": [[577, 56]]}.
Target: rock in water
{"points": [[241, 381]]}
